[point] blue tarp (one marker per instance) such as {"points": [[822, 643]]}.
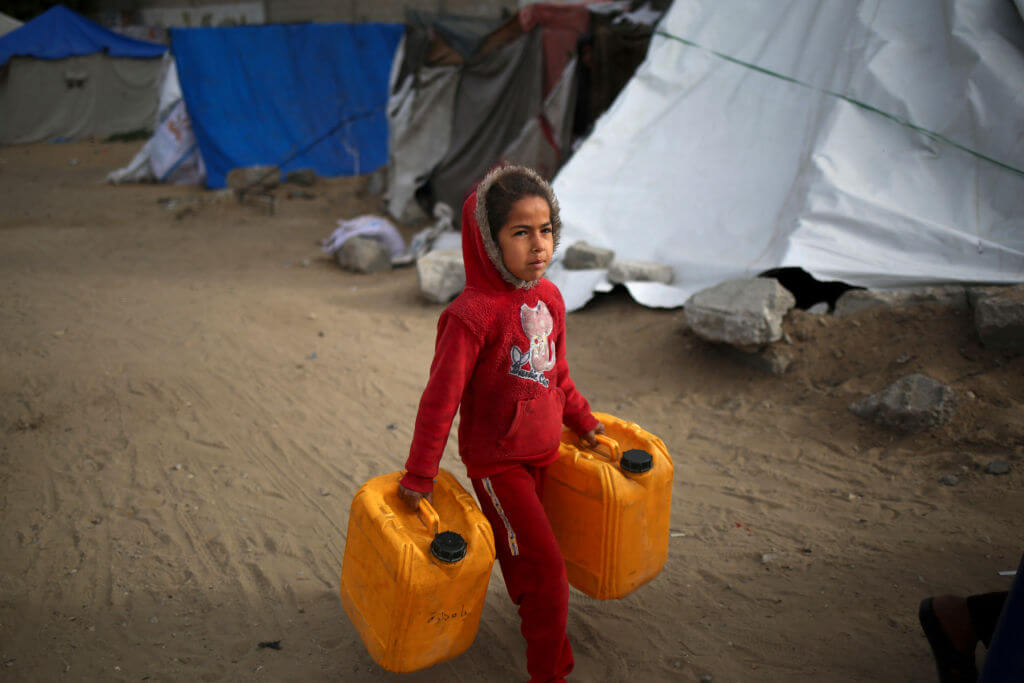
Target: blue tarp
{"points": [[58, 33], [268, 94]]}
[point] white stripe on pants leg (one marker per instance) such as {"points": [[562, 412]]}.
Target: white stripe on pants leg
{"points": [[512, 544]]}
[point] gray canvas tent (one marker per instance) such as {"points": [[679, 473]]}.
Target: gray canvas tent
{"points": [[8, 24], [64, 77]]}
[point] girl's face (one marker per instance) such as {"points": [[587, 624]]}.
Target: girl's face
{"points": [[526, 239]]}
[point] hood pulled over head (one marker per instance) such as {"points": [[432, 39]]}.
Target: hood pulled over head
{"points": [[481, 253]]}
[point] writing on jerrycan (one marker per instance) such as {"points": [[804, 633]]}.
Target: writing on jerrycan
{"points": [[413, 583]]}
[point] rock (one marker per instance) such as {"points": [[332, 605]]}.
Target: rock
{"points": [[745, 313], [441, 275], [771, 360], [857, 300], [949, 480], [221, 196], [306, 177], [707, 678], [909, 404], [768, 557], [622, 271], [363, 255], [820, 308], [997, 467], [999, 318], [582, 256], [254, 177]]}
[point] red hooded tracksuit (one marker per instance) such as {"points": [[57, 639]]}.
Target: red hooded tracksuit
{"points": [[500, 355]]}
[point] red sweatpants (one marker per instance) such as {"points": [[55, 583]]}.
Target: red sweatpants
{"points": [[532, 565]]}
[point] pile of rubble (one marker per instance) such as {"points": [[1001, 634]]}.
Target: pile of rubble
{"points": [[744, 317]]}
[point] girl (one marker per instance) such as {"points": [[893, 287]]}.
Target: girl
{"points": [[500, 358]]}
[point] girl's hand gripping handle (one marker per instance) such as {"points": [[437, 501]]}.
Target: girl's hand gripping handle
{"points": [[590, 438], [413, 498], [614, 450]]}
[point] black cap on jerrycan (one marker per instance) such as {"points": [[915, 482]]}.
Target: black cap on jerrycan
{"points": [[448, 546], [636, 461]]}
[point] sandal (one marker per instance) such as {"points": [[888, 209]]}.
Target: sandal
{"points": [[953, 665]]}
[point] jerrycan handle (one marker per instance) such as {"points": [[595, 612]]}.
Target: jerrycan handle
{"points": [[428, 515], [614, 450]]}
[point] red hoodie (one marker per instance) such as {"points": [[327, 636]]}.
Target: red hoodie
{"points": [[500, 354]]}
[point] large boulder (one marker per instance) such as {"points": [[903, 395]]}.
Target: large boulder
{"points": [[909, 404], [582, 256], [363, 255], [254, 178], [745, 313], [999, 317], [771, 360], [441, 275], [856, 300], [621, 271]]}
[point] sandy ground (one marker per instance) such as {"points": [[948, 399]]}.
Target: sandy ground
{"points": [[189, 400]]}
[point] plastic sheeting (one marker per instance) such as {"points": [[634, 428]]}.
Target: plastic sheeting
{"points": [[171, 155], [451, 119], [496, 97], [58, 33], [871, 142], [369, 225], [299, 96], [419, 129], [541, 140]]}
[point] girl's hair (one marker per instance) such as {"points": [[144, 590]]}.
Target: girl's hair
{"points": [[506, 190]]}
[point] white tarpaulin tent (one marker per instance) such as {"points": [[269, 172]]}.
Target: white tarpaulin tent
{"points": [[878, 143]]}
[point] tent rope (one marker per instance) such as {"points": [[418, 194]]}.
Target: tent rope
{"points": [[333, 129], [938, 137]]}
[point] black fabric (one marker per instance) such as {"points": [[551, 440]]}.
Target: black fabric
{"points": [[615, 52], [414, 55], [952, 665], [496, 97], [1005, 658], [985, 610]]}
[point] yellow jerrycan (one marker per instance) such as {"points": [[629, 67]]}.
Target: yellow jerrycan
{"points": [[609, 508], [413, 583]]}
